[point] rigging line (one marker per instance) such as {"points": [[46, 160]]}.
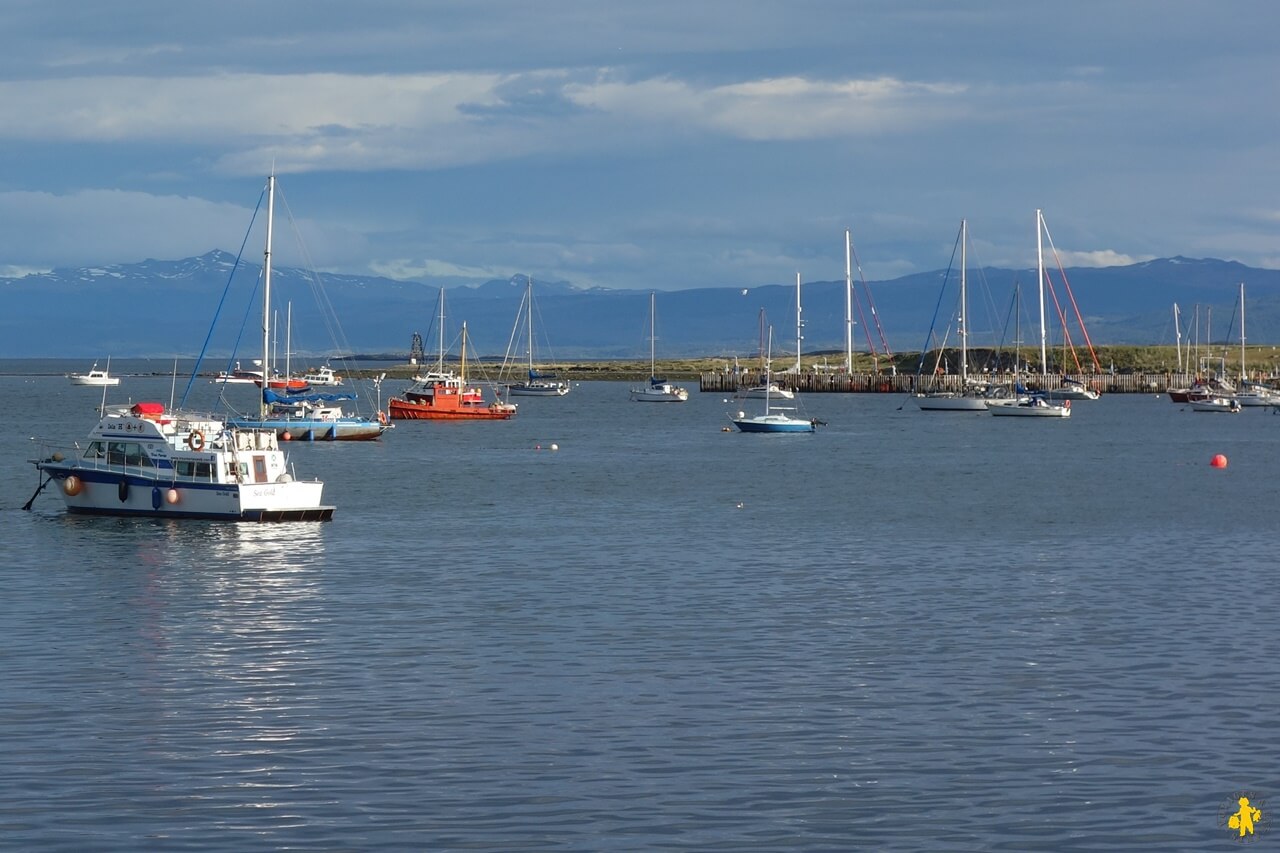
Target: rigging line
{"points": [[875, 315], [1097, 365], [924, 351], [222, 301]]}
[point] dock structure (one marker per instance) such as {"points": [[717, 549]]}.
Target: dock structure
{"points": [[839, 382]]}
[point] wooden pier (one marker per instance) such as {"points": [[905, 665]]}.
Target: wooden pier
{"points": [[839, 382]]}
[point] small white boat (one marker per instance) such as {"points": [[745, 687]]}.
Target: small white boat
{"points": [[1035, 406], [1215, 404], [1071, 389], [95, 377], [767, 391], [239, 376], [322, 376]]}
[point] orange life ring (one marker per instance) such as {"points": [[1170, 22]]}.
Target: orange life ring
{"points": [[1066, 404], [196, 440], [382, 417]]}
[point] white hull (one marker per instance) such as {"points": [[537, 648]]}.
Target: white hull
{"points": [[95, 381], [1216, 404], [1029, 410], [767, 392], [950, 403], [660, 394]]}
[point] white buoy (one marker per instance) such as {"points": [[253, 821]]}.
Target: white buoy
{"points": [[555, 447]]}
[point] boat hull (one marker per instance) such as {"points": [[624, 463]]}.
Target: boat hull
{"points": [[104, 491], [538, 390], [1022, 410], [313, 429], [951, 403], [405, 410], [766, 425]]}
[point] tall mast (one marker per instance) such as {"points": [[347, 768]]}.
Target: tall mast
{"points": [[1177, 340], [848, 303], [1044, 358], [529, 310], [964, 306], [1243, 378], [440, 330], [266, 295], [799, 325], [653, 334]]}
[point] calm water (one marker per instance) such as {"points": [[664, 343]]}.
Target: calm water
{"points": [[910, 631]]}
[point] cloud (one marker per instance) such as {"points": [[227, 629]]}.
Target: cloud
{"points": [[1098, 258], [416, 121]]}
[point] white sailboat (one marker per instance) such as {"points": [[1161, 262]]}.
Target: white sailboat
{"points": [[774, 418], [968, 398], [535, 384], [1251, 393], [658, 389], [1036, 406]]}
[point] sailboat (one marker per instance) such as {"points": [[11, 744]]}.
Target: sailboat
{"points": [[292, 416], [441, 396], [767, 389], [968, 398], [658, 389], [147, 460], [1035, 405], [1251, 393], [774, 418], [535, 384]]}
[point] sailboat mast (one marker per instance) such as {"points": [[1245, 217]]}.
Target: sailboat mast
{"points": [[1177, 340], [799, 326], [1243, 378], [529, 310], [964, 306], [1044, 356], [848, 303], [266, 295], [440, 330], [653, 334]]}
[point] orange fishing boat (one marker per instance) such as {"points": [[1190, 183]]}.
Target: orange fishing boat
{"points": [[441, 396]]}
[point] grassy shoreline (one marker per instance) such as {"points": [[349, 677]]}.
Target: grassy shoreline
{"points": [[1259, 360]]}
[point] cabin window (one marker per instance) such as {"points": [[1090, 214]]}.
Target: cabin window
{"points": [[96, 450], [184, 467], [204, 470], [115, 453], [259, 469]]}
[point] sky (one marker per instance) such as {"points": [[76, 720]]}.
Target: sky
{"points": [[657, 145]]}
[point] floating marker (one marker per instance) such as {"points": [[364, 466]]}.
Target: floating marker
{"points": [[555, 447], [1218, 461]]}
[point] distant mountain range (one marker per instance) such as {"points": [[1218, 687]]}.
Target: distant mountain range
{"points": [[167, 308]]}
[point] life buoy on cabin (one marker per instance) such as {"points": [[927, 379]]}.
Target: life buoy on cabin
{"points": [[196, 440], [382, 417]]}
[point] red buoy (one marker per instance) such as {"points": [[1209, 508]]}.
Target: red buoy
{"points": [[1218, 461]]}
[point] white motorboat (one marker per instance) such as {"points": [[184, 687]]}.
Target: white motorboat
{"points": [[95, 377], [142, 460]]}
